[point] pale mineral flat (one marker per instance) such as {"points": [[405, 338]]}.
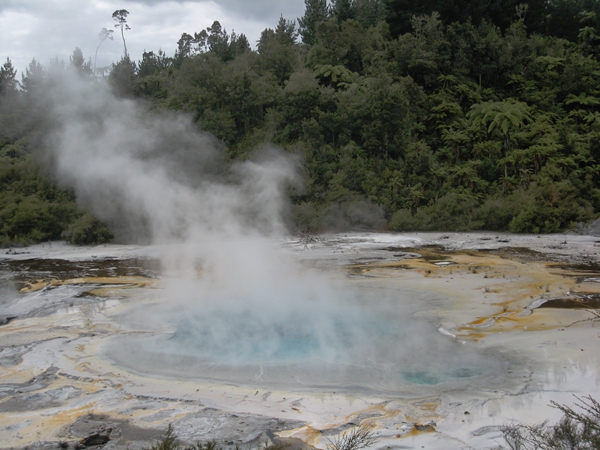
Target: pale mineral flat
{"points": [[518, 313]]}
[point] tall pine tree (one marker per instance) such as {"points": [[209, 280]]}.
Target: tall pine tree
{"points": [[370, 12], [343, 10], [8, 77], [315, 12]]}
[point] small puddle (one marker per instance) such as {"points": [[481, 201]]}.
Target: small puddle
{"points": [[590, 301], [589, 269], [517, 253], [38, 269], [431, 253], [429, 378]]}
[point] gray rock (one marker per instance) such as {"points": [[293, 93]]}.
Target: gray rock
{"points": [[95, 439]]}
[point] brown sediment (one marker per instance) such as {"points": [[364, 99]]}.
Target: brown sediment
{"points": [[418, 429], [422, 420], [306, 434], [489, 292], [513, 278], [427, 405], [582, 301], [293, 444], [46, 425], [133, 281]]}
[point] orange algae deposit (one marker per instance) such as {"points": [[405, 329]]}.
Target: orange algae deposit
{"points": [[527, 303], [517, 285], [118, 280]]}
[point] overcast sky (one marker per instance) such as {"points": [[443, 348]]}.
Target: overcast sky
{"points": [[44, 29]]}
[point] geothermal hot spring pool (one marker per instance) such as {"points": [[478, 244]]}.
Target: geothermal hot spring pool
{"points": [[368, 340], [275, 324], [433, 341]]}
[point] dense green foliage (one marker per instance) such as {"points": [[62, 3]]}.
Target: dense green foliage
{"points": [[559, 18], [87, 230], [32, 207], [419, 115], [456, 124]]}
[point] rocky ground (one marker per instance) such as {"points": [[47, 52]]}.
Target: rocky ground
{"points": [[530, 300]]}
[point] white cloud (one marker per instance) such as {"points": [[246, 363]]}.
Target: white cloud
{"points": [[257, 10], [44, 29]]}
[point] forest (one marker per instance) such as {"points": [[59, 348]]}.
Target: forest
{"points": [[433, 115]]}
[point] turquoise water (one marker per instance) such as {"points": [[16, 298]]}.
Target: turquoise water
{"points": [[373, 341], [433, 378]]}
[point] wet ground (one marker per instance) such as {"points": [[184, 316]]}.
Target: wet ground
{"points": [[530, 302]]}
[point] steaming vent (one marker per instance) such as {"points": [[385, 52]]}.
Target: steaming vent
{"points": [[236, 308], [369, 341]]}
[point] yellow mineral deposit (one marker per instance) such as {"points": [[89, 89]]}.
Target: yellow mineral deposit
{"points": [[38, 285], [486, 299]]}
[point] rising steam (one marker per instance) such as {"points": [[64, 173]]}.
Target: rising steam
{"points": [[156, 173], [236, 308]]}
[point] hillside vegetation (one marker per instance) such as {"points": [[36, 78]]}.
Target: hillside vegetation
{"points": [[429, 117]]}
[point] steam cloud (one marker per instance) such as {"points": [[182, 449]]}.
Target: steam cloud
{"points": [[133, 167], [235, 304]]}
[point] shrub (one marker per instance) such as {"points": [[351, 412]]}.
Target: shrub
{"points": [[452, 212], [495, 214], [358, 438], [170, 441], [351, 213], [87, 230], [575, 431]]}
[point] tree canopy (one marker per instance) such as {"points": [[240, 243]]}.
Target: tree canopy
{"points": [[428, 115]]}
